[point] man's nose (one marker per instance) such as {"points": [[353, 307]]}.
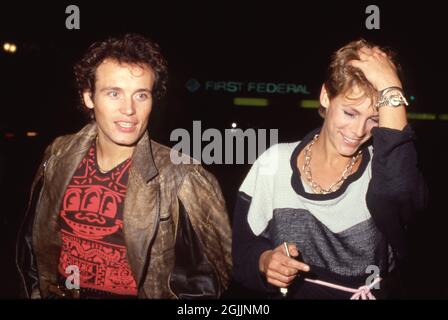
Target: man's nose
{"points": [[128, 107]]}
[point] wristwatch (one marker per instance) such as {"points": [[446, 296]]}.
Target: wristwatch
{"points": [[392, 97]]}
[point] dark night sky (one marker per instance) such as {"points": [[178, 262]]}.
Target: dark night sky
{"points": [[255, 42], [221, 40]]}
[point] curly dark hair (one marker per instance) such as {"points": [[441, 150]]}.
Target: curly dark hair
{"points": [[129, 48]]}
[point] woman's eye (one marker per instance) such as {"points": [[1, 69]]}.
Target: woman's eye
{"points": [[351, 115], [375, 120]]}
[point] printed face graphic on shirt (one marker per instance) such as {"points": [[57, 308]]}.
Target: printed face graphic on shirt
{"points": [[96, 206], [90, 209]]}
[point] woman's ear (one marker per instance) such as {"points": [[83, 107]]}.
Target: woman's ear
{"points": [[324, 99]]}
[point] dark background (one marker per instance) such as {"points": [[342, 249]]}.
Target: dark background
{"points": [[282, 42]]}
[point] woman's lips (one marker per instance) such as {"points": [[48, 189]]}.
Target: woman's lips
{"points": [[351, 142]]}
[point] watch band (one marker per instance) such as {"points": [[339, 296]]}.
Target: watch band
{"points": [[395, 99]]}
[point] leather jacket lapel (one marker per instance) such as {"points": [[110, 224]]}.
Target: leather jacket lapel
{"points": [[141, 208]]}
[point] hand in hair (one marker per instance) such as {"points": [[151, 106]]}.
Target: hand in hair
{"points": [[377, 68]]}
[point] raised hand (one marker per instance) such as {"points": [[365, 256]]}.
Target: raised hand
{"points": [[377, 68]]}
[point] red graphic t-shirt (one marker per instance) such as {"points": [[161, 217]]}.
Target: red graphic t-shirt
{"points": [[91, 220]]}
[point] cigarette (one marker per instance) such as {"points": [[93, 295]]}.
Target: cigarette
{"points": [[284, 291]]}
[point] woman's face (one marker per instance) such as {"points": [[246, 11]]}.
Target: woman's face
{"points": [[349, 120]]}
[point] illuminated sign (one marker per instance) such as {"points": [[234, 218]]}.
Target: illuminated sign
{"points": [[194, 85]]}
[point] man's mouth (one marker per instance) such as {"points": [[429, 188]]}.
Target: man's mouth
{"points": [[125, 124]]}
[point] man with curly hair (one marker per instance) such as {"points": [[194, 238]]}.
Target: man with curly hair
{"points": [[110, 215]]}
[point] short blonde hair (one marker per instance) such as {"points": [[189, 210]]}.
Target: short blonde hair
{"points": [[342, 77]]}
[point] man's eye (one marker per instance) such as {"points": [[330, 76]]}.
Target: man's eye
{"points": [[113, 94], [142, 96]]}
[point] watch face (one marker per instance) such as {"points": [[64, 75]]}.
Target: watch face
{"points": [[395, 101]]}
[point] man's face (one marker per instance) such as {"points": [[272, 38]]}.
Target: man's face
{"points": [[122, 102], [349, 120]]}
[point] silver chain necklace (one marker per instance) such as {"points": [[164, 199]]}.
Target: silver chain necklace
{"points": [[335, 186]]}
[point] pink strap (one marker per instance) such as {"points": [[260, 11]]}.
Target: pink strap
{"points": [[362, 292]]}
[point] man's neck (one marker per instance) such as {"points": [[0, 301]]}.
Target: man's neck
{"points": [[109, 155]]}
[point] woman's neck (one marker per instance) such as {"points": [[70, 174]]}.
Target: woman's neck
{"points": [[325, 154]]}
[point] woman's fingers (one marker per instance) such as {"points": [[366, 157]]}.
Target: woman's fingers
{"points": [[279, 277], [277, 283], [280, 270]]}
